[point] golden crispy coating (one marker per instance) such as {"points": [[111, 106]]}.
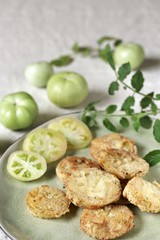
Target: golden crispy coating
{"points": [[47, 202], [92, 188], [113, 140], [122, 163], [143, 194], [108, 222], [72, 163]]}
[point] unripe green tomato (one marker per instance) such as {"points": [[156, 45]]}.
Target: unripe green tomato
{"points": [[18, 110], [38, 73], [67, 89], [129, 52]]}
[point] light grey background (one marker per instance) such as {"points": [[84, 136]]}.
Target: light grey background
{"points": [[36, 30]]}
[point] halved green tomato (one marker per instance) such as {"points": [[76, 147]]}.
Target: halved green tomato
{"points": [[50, 144], [77, 133], [26, 166]]}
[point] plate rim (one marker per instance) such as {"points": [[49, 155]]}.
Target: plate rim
{"points": [[5, 231]]}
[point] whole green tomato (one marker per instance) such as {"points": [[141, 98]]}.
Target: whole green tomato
{"points": [[18, 110], [38, 73], [129, 52], [67, 89]]}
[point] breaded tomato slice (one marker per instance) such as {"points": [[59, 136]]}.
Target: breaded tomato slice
{"points": [[143, 194], [122, 163], [72, 163], [109, 222], [92, 188], [109, 141]]}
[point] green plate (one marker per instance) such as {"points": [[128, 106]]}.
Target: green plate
{"points": [[18, 223]]}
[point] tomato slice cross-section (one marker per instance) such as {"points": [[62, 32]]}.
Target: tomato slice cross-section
{"points": [[50, 144], [26, 166], [77, 133]]}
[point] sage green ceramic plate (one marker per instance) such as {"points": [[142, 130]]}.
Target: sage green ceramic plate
{"points": [[19, 224]]}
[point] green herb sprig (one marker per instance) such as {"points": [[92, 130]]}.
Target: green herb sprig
{"points": [[148, 102]]}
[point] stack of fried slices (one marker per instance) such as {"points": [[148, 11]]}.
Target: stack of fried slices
{"points": [[103, 188]]}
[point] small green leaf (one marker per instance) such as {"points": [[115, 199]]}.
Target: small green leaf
{"points": [[156, 130], [136, 125], [137, 81], [89, 115], [146, 122], [91, 106], [128, 103], [85, 51], [154, 107], [153, 157], [103, 54], [110, 109], [89, 118], [114, 86], [146, 101], [124, 122], [117, 42], [110, 60], [134, 117], [158, 96], [123, 71], [106, 55], [89, 121], [107, 123], [62, 61]]}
